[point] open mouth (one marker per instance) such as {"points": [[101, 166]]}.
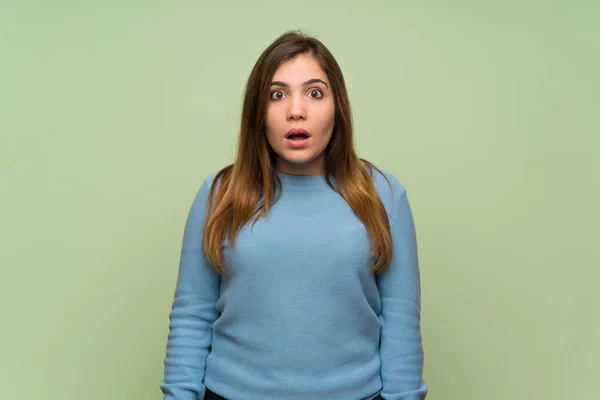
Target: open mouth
{"points": [[297, 136]]}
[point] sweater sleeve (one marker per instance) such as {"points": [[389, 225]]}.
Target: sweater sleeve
{"points": [[401, 349], [193, 311]]}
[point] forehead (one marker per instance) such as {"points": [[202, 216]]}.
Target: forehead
{"points": [[299, 69]]}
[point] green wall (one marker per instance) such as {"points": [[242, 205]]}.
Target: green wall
{"points": [[112, 114]]}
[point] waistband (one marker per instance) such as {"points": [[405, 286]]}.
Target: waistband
{"points": [[210, 395]]}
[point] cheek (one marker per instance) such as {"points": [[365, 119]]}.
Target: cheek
{"points": [[327, 118], [271, 128], [273, 114], [327, 110]]}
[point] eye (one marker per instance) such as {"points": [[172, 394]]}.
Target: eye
{"points": [[276, 95], [317, 91]]}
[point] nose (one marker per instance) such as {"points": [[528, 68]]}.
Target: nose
{"points": [[296, 109]]}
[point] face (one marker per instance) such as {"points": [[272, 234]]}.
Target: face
{"points": [[300, 98]]}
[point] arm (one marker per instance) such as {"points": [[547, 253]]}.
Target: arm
{"points": [[193, 311], [401, 349]]}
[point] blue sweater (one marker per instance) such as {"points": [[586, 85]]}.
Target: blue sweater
{"points": [[301, 316]]}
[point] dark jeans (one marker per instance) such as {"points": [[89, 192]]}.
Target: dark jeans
{"points": [[213, 396]]}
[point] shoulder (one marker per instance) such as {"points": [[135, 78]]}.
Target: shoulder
{"points": [[388, 186], [214, 179], [209, 180], [203, 190]]}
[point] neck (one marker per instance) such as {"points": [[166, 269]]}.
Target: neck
{"points": [[317, 167]]}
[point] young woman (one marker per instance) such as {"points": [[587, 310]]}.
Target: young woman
{"points": [[299, 275]]}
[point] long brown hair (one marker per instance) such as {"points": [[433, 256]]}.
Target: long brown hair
{"points": [[252, 175]]}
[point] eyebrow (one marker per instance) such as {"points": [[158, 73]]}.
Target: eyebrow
{"points": [[308, 82]]}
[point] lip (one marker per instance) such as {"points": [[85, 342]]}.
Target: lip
{"points": [[297, 131]]}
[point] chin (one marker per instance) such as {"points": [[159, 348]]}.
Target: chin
{"points": [[298, 158]]}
